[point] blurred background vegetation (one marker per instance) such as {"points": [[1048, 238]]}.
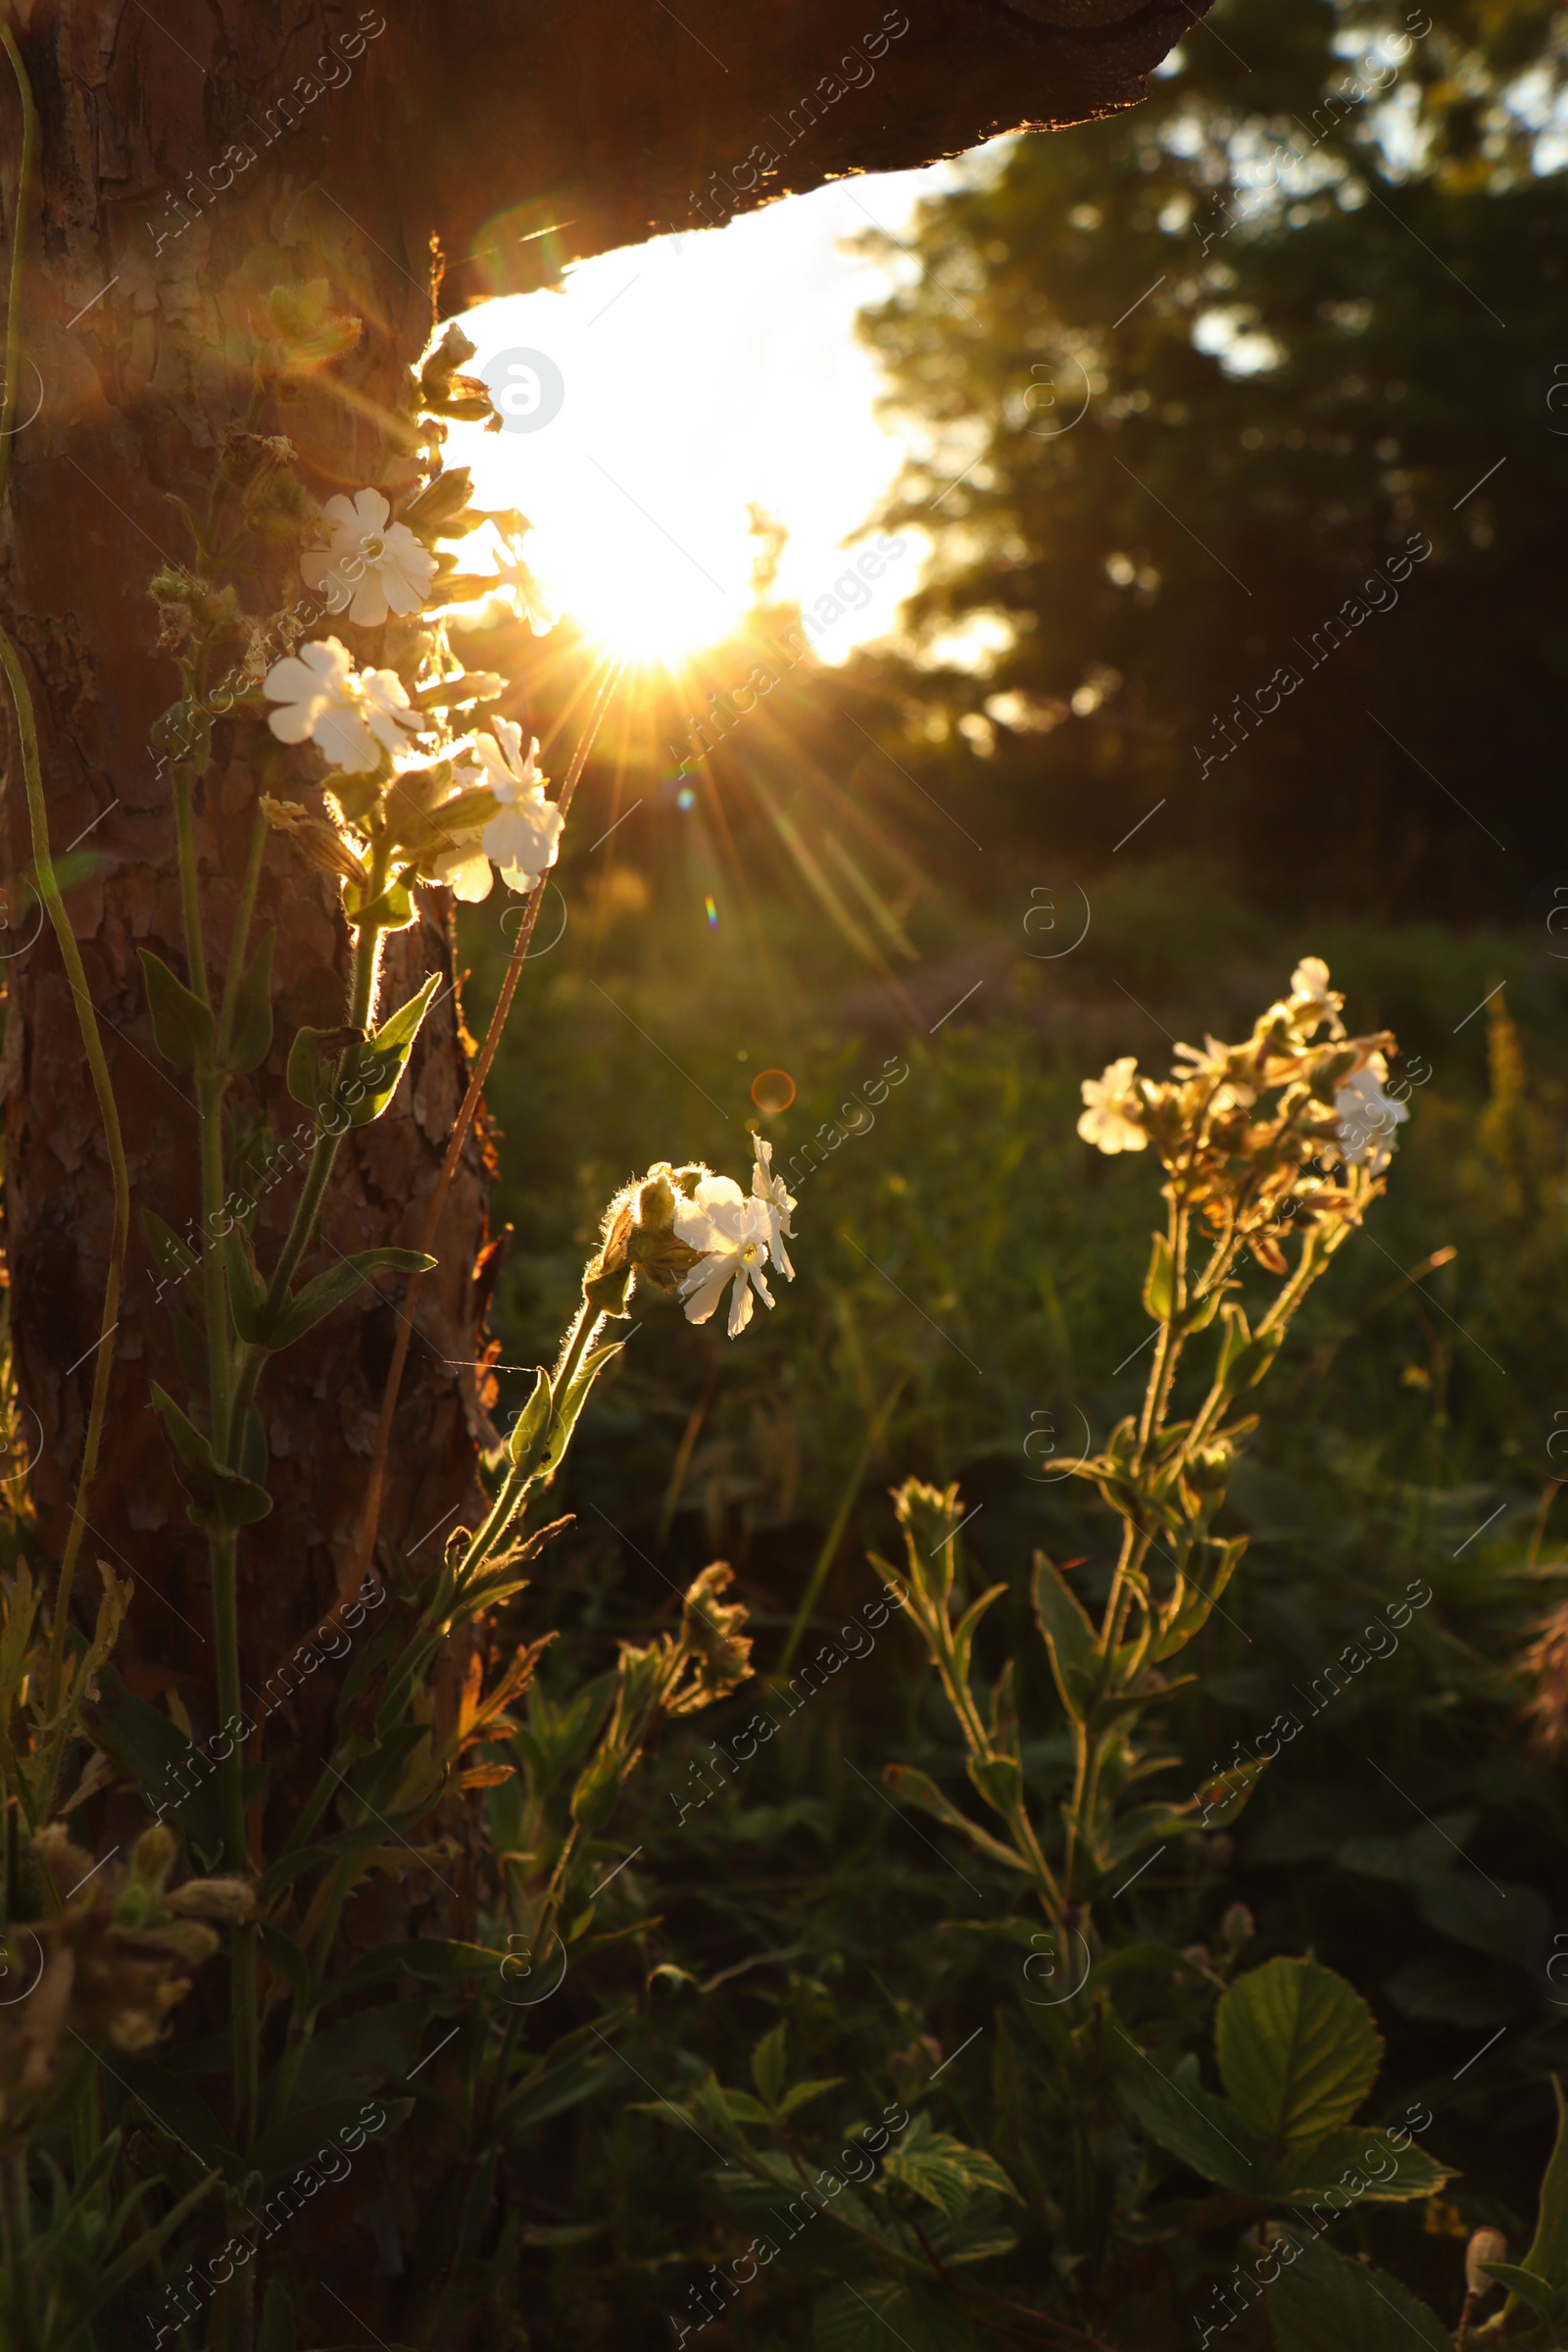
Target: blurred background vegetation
{"points": [[922, 859]]}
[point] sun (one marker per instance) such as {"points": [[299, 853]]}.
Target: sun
{"points": [[645, 602]]}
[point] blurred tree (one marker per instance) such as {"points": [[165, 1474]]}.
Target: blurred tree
{"points": [[1186, 385]]}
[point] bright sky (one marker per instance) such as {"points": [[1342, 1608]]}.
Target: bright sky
{"points": [[697, 373]]}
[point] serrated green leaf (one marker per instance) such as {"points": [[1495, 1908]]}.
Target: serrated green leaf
{"points": [[1323, 2302], [317, 1298], [218, 1497], [946, 2173], [1385, 2175], [251, 1034], [1298, 2050], [183, 1026], [1069, 1636], [770, 2066]]}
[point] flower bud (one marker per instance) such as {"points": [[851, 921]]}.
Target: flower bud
{"points": [[226, 1900], [154, 1852], [1486, 2245], [656, 1199], [1238, 1927]]}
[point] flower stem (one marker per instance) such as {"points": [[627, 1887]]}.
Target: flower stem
{"points": [[357, 1560], [49, 891], [240, 945], [87, 1021]]}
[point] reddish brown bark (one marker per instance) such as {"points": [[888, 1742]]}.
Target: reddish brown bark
{"points": [[599, 122]]}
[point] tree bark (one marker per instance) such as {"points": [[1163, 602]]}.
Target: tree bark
{"points": [[517, 139]]}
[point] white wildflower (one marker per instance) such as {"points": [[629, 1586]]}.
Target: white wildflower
{"points": [[350, 715], [780, 1203], [378, 564], [1368, 1116], [737, 1231], [529, 601], [1113, 1118], [1311, 995], [523, 836]]}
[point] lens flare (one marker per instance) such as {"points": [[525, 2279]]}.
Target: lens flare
{"points": [[772, 1090]]}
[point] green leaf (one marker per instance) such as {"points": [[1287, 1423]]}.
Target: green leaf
{"points": [[877, 2315], [182, 2113], [1523, 2284], [277, 2320], [351, 2058], [183, 1026], [569, 1406], [1069, 1636], [554, 2086], [944, 2172], [1000, 1781], [219, 1498], [295, 2142], [770, 2066], [246, 1290], [1389, 2175], [423, 1959], [801, 2094], [379, 1063], [436, 509], [250, 1033], [1322, 2302], [393, 911], [1548, 2257], [317, 1298], [306, 1077], [529, 1426], [160, 1757], [1298, 2050], [1189, 2122], [1159, 1283], [172, 1257], [290, 1962], [918, 1789]]}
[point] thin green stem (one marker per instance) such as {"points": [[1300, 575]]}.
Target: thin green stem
{"points": [[18, 2251], [54, 904], [189, 888], [19, 238], [87, 1021], [516, 1483], [239, 948]]}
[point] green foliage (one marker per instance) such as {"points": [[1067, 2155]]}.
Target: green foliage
{"points": [[1300, 299]]}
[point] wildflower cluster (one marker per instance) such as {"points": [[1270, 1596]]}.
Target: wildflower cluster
{"points": [[1251, 1135]]}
